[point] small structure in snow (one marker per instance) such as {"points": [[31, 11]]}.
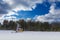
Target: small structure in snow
{"points": [[18, 28]]}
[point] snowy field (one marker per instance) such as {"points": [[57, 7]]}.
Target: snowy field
{"points": [[28, 35]]}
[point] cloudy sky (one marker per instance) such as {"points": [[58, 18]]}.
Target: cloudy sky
{"points": [[38, 10]]}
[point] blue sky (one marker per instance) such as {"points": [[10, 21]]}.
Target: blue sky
{"points": [[39, 10]]}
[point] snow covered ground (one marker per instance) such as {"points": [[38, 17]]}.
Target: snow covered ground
{"points": [[28, 35]]}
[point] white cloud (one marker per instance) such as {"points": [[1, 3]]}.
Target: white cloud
{"points": [[13, 18], [28, 19], [53, 15], [9, 16], [17, 5], [10, 2], [11, 13], [18, 8]]}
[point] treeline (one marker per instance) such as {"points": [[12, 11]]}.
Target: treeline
{"points": [[30, 25]]}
